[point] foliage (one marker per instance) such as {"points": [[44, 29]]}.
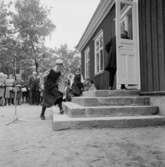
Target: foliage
{"points": [[6, 43], [33, 25], [22, 35], [3, 20], [71, 59]]}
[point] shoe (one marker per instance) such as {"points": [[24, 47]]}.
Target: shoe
{"points": [[123, 86], [61, 111], [64, 100], [42, 117], [110, 88]]}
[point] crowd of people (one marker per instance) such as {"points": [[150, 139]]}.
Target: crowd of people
{"points": [[8, 89], [13, 90]]}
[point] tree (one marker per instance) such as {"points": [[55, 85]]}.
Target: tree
{"points": [[33, 25], [7, 55], [71, 59], [3, 20], [6, 43]]}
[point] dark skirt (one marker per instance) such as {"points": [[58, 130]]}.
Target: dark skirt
{"points": [[51, 98], [51, 94]]}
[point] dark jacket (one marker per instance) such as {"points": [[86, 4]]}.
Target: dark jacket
{"points": [[31, 82], [77, 86], [111, 50], [51, 93]]}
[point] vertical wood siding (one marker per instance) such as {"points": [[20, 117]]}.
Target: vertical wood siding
{"points": [[152, 44], [82, 64], [108, 27]]}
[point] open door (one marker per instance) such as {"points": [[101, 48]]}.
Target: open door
{"points": [[127, 43]]}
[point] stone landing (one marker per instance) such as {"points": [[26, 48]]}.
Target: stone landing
{"points": [[108, 109]]}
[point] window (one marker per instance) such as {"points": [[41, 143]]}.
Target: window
{"points": [[99, 53], [126, 21], [87, 63]]}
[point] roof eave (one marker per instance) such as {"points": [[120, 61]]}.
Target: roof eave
{"points": [[100, 13]]}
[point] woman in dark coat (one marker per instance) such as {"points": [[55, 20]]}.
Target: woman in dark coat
{"points": [[111, 67], [51, 95]]}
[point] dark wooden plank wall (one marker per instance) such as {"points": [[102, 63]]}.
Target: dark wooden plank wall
{"points": [[152, 44], [108, 27], [82, 64]]}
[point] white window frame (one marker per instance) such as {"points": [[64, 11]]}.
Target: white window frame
{"points": [[87, 63], [97, 41]]}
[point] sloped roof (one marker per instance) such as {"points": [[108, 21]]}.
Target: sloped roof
{"points": [[100, 13]]}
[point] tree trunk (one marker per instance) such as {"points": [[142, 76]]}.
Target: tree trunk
{"points": [[36, 65]]}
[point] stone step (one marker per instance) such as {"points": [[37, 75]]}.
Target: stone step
{"points": [[111, 100], [105, 93], [75, 110], [63, 122]]}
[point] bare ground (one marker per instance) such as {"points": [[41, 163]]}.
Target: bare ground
{"points": [[33, 143]]}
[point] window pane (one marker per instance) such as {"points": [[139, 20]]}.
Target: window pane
{"points": [[97, 46], [101, 60], [101, 42], [126, 22], [97, 62], [125, 5]]}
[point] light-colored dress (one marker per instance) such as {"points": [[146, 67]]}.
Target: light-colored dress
{"points": [[9, 87], [2, 88], [61, 83], [92, 87]]}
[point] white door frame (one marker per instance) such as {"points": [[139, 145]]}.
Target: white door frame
{"points": [[136, 37]]}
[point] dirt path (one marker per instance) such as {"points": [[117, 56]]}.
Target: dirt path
{"points": [[32, 143]]}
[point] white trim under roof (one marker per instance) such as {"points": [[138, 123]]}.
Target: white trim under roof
{"points": [[101, 12]]}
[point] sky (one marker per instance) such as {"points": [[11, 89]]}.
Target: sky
{"points": [[71, 17]]}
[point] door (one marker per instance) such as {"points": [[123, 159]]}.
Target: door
{"points": [[127, 43]]}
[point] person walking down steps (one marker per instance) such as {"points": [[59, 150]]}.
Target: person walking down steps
{"points": [[53, 89]]}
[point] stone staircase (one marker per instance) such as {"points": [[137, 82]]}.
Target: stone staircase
{"points": [[108, 109]]}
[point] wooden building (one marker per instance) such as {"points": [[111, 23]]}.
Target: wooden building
{"points": [[140, 57]]}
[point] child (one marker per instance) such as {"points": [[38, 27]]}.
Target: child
{"points": [[92, 85], [67, 95], [24, 92], [2, 88], [19, 94], [9, 93], [89, 85]]}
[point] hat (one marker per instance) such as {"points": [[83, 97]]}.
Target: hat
{"points": [[34, 73], [59, 61], [1, 74]]}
